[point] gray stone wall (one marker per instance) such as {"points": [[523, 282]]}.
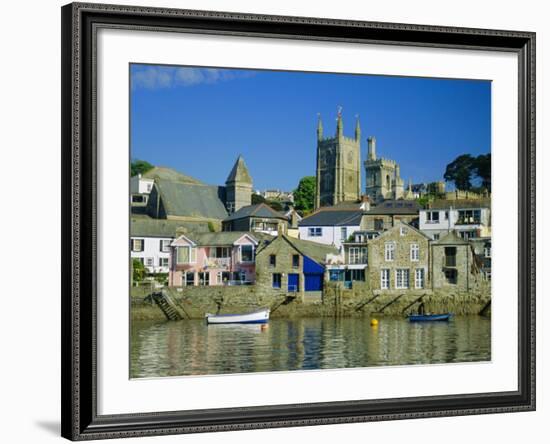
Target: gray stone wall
{"points": [[467, 272], [402, 257]]}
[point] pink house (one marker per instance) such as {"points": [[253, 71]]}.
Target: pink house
{"points": [[219, 258]]}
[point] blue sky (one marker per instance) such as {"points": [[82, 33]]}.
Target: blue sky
{"points": [[198, 120]]}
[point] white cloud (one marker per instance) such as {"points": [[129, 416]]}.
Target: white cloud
{"points": [[158, 77]]}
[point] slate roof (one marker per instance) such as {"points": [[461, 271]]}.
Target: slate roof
{"points": [[313, 250], [332, 217], [460, 204], [239, 172], [257, 210], [451, 238], [170, 174], [191, 200], [395, 207], [145, 226]]}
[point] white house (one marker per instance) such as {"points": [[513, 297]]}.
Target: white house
{"points": [[150, 241], [330, 225], [140, 188], [470, 218]]}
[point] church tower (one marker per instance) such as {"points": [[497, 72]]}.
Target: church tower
{"points": [[338, 165], [383, 176], [238, 187]]}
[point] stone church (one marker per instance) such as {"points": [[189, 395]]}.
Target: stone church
{"points": [[338, 174]]}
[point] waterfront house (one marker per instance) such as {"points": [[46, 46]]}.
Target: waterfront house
{"points": [[331, 225], [398, 260], [259, 218], [389, 213], [455, 265], [150, 240], [215, 258], [292, 265], [471, 218]]}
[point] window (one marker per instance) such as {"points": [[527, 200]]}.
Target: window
{"points": [[468, 217], [402, 278], [468, 234], [137, 244], [415, 252], [272, 260], [343, 233], [165, 245], [487, 274], [163, 262], [276, 282], [357, 255], [403, 231], [315, 232], [451, 275], [219, 252], [189, 279], [436, 236], [389, 251], [149, 187], [384, 279], [138, 198], [450, 256], [487, 250], [432, 217], [149, 261], [247, 253], [379, 224], [295, 261], [187, 255], [419, 278], [204, 278]]}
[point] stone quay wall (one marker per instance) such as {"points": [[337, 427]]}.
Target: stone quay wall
{"points": [[334, 301]]}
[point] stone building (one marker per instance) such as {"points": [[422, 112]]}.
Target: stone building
{"points": [[338, 171], [291, 265], [257, 218], [238, 187], [399, 260], [330, 225], [454, 264], [383, 176], [387, 214]]}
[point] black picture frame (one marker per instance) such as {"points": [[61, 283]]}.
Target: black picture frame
{"points": [[79, 175]]}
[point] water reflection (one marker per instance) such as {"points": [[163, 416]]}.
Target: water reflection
{"points": [[193, 348]]}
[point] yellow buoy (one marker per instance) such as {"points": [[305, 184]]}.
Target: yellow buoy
{"points": [[374, 322]]}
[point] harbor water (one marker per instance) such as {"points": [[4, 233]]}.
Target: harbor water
{"points": [[190, 347]]}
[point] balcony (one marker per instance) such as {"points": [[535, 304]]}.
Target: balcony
{"points": [[218, 262]]}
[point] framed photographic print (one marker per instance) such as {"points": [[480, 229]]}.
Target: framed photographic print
{"points": [[280, 221]]}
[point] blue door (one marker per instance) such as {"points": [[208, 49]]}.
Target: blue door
{"points": [[293, 282], [313, 275]]}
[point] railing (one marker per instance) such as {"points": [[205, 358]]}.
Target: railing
{"points": [[219, 261]]}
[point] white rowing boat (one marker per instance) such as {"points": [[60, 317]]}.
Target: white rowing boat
{"points": [[256, 317]]}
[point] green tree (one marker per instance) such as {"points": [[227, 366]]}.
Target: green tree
{"points": [[257, 199], [460, 171], [275, 204], [482, 169], [140, 167], [138, 270], [304, 195]]}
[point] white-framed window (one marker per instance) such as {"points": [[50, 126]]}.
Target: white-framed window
{"points": [[315, 231], [189, 279], [432, 217], [247, 253], [187, 255], [487, 250], [219, 252], [204, 278], [415, 252], [165, 245], [436, 236], [402, 278], [403, 231], [389, 251], [357, 255], [419, 278], [384, 278], [487, 274], [343, 233], [163, 262], [149, 261], [137, 244]]}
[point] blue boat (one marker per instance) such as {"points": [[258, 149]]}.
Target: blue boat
{"points": [[429, 317]]}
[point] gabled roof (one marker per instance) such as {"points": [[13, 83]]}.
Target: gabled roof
{"points": [[169, 174], [257, 210], [145, 226], [398, 225], [395, 207], [239, 173], [221, 238], [451, 238], [191, 200], [313, 250], [328, 217]]}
